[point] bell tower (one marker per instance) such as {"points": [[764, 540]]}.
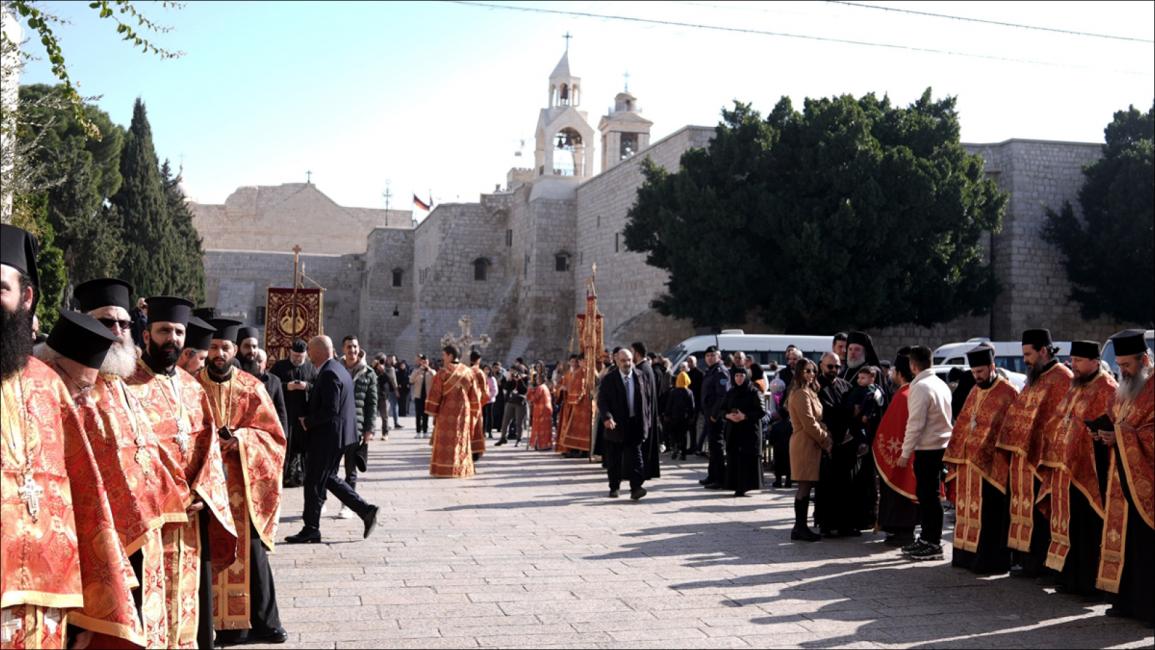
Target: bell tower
{"points": [[624, 131], [564, 137]]}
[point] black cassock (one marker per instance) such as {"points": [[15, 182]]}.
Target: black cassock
{"points": [[992, 555], [743, 439]]}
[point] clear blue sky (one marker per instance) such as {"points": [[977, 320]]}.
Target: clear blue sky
{"points": [[438, 95]]}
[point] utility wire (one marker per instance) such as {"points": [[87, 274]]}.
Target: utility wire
{"points": [[762, 32], [915, 12]]}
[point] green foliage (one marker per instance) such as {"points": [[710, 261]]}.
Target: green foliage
{"points": [[125, 12], [851, 213], [1110, 261], [189, 281], [148, 262], [30, 212], [80, 174]]}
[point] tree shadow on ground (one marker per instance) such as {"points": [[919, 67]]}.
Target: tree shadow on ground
{"points": [[865, 591]]}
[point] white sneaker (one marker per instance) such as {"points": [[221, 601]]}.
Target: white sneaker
{"points": [[345, 513]]}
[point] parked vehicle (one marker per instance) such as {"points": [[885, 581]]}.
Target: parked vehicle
{"points": [[1008, 354], [1108, 354], [763, 348], [1018, 379]]}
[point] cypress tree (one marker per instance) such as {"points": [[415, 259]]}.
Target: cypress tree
{"points": [[189, 281], [148, 261]]}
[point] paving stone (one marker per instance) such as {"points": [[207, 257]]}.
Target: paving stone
{"points": [[531, 554]]}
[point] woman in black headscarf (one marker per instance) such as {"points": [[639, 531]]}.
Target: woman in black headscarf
{"points": [[742, 411]]}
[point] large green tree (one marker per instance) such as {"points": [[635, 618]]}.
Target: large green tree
{"points": [[1110, 262], [149, 261], [850, 213], [30, 212], [189, 280], [78, 175]]}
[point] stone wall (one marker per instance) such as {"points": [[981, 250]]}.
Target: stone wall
{"points": [[236, 283], [626, 284], [380, 330], [446, 244], [282, 216]]}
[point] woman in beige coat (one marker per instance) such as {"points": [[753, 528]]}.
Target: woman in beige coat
{"points": [[807, 444]]}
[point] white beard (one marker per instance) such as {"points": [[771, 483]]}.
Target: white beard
{"points": [[1129, 388], [121, 359], [855, 360]]}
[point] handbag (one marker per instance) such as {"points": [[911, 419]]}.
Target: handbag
{"points": [[361, 457]]}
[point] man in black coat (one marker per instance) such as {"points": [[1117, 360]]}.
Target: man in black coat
{"points": [[715, 385], [626, 412], [297, 375], [331, 427], [653, 448]]}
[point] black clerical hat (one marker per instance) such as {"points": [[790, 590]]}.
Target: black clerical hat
{"points": [[300, 346], [103, 292], [1040, 338], [81, 338], [981, 355], [205, 313], [248, 333], [1129, 342], [858, 338], [18, 250], [198, 334], [1085, 349], [226, 329], [169, 309]]}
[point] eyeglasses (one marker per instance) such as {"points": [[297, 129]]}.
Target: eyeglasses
{"points": [[832, 366], [113, 322]]}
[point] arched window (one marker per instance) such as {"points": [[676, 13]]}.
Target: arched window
{"points": [[480, 269], [398, 277]]}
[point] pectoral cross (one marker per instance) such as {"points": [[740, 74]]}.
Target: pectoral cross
{"points": [[141, 455], [30, 492], [182, 436]]}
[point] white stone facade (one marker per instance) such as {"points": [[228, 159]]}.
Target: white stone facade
{"points": [[516, 261]]}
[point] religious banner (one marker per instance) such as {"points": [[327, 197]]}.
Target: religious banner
{"points": [[292, 314]]}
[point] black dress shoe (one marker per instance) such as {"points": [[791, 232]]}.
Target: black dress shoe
{"points": [[273, 637], [702, 481], [370, 520], [638, 493], [714, 486], [613, 494], [306, 536]]}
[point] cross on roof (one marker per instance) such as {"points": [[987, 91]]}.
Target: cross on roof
{"points": [[627, 77], [567, 36], [308, 176]]}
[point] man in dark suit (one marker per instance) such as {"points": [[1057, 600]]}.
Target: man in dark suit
{"points": [[330, 429], [626, 408]]}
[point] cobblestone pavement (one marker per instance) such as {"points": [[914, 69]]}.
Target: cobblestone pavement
{"points": [[531, 553]]}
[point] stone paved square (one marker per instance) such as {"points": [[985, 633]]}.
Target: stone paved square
{"points": [[531, 553]]}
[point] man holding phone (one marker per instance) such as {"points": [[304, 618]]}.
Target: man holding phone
{"points": [[297, 375], [1075, 465]]}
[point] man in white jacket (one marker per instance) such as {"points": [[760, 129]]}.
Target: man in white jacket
{"points": [[928, 431]]}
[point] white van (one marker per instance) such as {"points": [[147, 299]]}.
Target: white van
{"points": [[763, 348], [1008, 354], [1108, 354]]}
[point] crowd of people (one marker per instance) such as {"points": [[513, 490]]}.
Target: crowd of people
{"points": [[1052, 483], [145, 452]]}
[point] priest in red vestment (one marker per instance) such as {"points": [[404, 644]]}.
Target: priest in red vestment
{"points": [[1075, 472], [178, 410], [1031, 423], [980, 470], [51, 493], [541, 424], [451, 401], [253, 449], [481, 385], [1126, 567]]}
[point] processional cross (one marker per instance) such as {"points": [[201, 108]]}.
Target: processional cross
{"points": [[466, 341]]}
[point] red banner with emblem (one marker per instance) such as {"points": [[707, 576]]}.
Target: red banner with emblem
{"points": [[292, 314]]}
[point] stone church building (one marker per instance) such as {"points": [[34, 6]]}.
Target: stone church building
{"points": [[516, 261]]}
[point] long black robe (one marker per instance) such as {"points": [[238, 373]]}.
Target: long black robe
{"points": [[992, 556], [652, 447], [743, 439], [836, 508], [1136, 597]]}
